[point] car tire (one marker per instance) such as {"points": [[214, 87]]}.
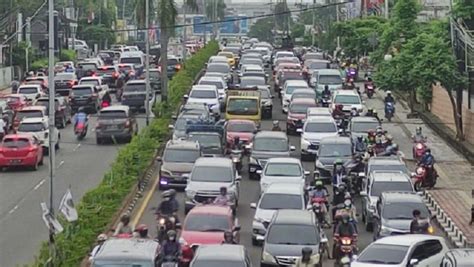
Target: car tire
{"points": [[98, 141], [35, 166]]}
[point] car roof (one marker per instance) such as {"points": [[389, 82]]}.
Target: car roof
{"points": [[127, 248], [313, 119], [284, 160], [385, 176], [391, 160], [33, 120], [213, 161], [285, 189], [329, 72], [182, 144], [223, 252], [302, 217], [211, 209], [336, 140], [404, 197], [406, 240], [303, 101], [346, 92], [296, 82], [364, 119], [136, 82], [271, 134], [117, 108], [33, 108]]}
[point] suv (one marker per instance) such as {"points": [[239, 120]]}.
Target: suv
{"points": [[85, 96], [383, 164], [282, 170], [99, 84], [348, 99], [205, 94], [30, 91], [297, 114], [134, 95], [40, 128], [177, 162], [375, 185], [315, 129], [221, 255], [127, 252], [210, 138], [461, 257], [109, 75], [115, 122], [265, 145], [63, 111], [277, 196], [288, 233], [331, 149], [393, 213], [207, 177], [359, 126]]}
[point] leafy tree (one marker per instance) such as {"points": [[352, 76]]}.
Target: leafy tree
{"points": [[262, 29], [464, 9], [140, 12], [167, 13], [215, 10], [283, 17]]}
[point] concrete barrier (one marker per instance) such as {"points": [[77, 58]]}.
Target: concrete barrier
{"points": [[6, 77]]}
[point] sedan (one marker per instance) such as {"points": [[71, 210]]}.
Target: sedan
{"points": [[282, 170]]}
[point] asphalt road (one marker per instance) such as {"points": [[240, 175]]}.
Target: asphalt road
{"points": [[80, 166], [249, 190]]}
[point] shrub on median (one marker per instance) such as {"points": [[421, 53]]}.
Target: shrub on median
{"points": [[99, 205]]}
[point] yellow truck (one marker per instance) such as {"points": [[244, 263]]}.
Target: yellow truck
{"points": [[243, 104]]}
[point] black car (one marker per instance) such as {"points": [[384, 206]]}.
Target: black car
{"points": [[134, 95], [63, 114], [85, 96], [109, 75]]}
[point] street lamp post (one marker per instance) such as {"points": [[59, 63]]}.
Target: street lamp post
{"points": [[147, 61]]}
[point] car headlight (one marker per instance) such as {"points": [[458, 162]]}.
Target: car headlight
{"points": [[319, 165], [253, 160], [267, 257], [385, 230], [305, 142]]}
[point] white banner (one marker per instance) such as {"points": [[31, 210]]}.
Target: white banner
{"points": [[67, 207], [50, 221]]}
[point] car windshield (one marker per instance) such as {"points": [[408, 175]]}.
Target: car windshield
{"points": [[31, 127], [88, 66], [219, 68], [242, 106], [15, 143], [310, 95], [403, 210], [172, 61], [388, 167], [254, 81], [320, 127], [212, 174], [270, 144], [131, 60], [207, 140], [112, 114], [281, 201], [90, 81], [330, 79], [27, 90], [82, 91], [121, 263], [335, 150], [154, 74], [203, 94], [181, 155], [206, 223], [363, 127], [347, 99], [290, 89], [135, 88], [293, 235], [218, 263], [29, 114], [300, 108], [218, 84], [264, 94], [283, 169], [384, 254], [241, 127], [379, 187]]}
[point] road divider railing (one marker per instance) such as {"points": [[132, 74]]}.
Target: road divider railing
{"points": [[100, 208]]}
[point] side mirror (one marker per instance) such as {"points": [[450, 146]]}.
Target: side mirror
{"points": [[299, 130], [413, 262], [171, 127], [159, 159], [260, 238], [253, 205], [292, 148], [237, 228], [259, 171], [238, 178], [306, 173], [363, 193]]}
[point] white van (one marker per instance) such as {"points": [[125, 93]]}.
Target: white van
{"points": [[136, 57]]}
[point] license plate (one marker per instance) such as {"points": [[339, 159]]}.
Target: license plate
{"points": [[15, 161], [112, 127], [312, 151]]}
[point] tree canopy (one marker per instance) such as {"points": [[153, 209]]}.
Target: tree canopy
{"points": [[262, 29]]}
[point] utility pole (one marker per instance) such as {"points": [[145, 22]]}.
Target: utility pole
{"points": [[28, 43], [338, 19], [314, 22], [147, 61], [387, 15], [51, 115], [184, 31]]}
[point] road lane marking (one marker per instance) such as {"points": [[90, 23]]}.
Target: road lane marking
{"points": [[13, 210], [60, 164], [39, 184], [139, 214], [77, 147]]}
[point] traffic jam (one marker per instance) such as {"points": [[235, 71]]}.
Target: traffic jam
{"points": [[292, 134]]}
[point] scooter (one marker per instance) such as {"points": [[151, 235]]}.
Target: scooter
{"points": [[389, 111], [419, 149], [236, 156], [421, 179], [369, 90], [170, 261], [344, 251], [80, 130], [325, 101]]}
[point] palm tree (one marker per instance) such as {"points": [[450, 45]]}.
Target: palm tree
{"points": [[167, 13], [215, 10]]}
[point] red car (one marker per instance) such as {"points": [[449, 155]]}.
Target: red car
{"points": [[244, 129], [16, 101], [21, 150], [297, 113], [207, 224]]}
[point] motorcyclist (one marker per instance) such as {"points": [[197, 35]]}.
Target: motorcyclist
{"points": [[107, 98], [80, 117], [371, 137], [370, 112], [427, 161], [100, 242], [418, 136], [170, 247], [379, 147], [388, 140], [389, 98], [321, 192], [415, 225], [276, 126], [344, 229], [141, 232], [369, 153], [223, 198], [15, 84], [124, 226], [229, 238], [380, 134], [338, 112], [339, 195], [326, 92], [307, 259], [236, 143], [169, 206], [339, 172], [360, 145], [356, 164]]}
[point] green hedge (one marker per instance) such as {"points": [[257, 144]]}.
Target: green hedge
{"points": [[99, 205]]}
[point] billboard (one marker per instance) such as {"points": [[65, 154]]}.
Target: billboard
{"points": [[230, 25]]}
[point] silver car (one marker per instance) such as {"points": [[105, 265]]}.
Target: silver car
{"points": [[282, 170], [315, 129]]}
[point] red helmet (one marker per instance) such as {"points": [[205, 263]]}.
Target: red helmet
{"points": [[141, 227]]}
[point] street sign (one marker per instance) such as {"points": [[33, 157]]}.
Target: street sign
{"points": [[67, 207], [51, 222]]}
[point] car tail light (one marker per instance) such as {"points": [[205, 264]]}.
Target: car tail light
{"points": [[33, 149], [115, 74], [178, 66], [419, 146], [127, 124]]}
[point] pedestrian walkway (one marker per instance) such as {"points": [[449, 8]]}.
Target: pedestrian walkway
{"points": [[453, 192]]}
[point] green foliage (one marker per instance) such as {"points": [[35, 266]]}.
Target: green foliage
{"points": [[99, 205], [464, 9], [92, 33], [39, 64], [67, 55], [262, 29], [19, 55], [283, 18]]}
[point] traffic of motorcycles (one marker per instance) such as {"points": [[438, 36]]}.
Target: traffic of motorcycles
{"points": [[218, 136]]}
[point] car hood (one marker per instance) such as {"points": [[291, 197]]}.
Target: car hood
{"points": [[194, 237], [269, 154], [244, 137], [207, 186], [177, 167], [287, 250], [264, 214], [329, 161], [280, 179], [402, 225], [316, 137]]}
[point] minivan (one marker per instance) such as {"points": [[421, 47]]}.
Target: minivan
{"points": [[329, 77]]}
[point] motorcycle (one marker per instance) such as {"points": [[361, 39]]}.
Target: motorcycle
{"points": [[80, 130], [421, 179], [236, 156], [419, 148], [325, 101], [170, 261], [369, 90], [164, 224], [104, 104], [389, 111], [344, 251]]}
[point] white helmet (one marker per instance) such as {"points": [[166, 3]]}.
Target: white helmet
{"points": [[102, 237], [389, 92]]}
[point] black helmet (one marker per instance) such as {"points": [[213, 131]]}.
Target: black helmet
{"points": [[307, 251], [428, 150], [359, 138], [171, 233]]}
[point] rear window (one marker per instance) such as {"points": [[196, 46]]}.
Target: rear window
{"points": [[27, 90], [203, 94], [135, 88], [64, 76], [112, 114], [300, 108], [106, 71], [218, 84], [15, 143], [82, 91], [131, 60], [172, 61], [31, 127], [93, 82], [88, 66], [63, 92], [29, 114]]}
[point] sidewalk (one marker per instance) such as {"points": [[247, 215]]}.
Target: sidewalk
{"points": [[451, 199]]}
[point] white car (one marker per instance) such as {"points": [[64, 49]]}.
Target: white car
{"points": [[318, 111], [276, 197], [349, 99], [402, 251], [281, 54], [288, 89], [216, 81], [40, 128], [97, 82], [282, 170], [315, 129], [30, 91], [205, 94]]}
